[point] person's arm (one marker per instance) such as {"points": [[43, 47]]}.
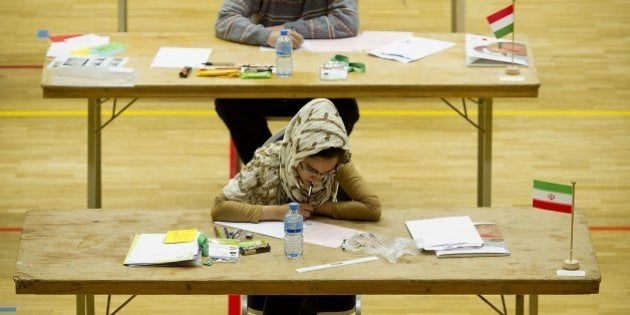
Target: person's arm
{"points": [[234, 211], [234, 24], [365, 204], [340, 20]]}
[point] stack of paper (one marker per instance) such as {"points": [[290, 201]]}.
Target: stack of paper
{"points": [[445, 233], [493, 244], [151, 249]]}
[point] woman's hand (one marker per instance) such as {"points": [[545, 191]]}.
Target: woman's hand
{"points": [[306, 209], [277, 212]]}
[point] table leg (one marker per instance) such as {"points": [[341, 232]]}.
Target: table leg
{"points": [[85, 304], [458, 15], [122, 15], [484, 153], [520, 305], [533, 304], [94, 153]]}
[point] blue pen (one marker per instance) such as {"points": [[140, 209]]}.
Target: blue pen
{"points": [[227, 234]]}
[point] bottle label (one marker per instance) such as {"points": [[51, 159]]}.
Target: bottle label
{"points": [[291, 231], [283, 52]]}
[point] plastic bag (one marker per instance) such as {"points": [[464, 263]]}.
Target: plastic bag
{"points": [[390, 248]]}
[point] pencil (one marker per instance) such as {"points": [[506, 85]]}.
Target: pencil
{"points": [[310, 191]]}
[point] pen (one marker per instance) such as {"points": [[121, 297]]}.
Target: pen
{"points": [[227, 234], [337, 264], [216, 232], [218, 63], [310, 191]]}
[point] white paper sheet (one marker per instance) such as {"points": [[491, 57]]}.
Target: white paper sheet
{"points": [[314, 232], [445, 233], [178, 57], [365, 41], [410, 49]]}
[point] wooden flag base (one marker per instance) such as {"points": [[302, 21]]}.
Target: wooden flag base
{"points": [[570, 264], [512, 70]]}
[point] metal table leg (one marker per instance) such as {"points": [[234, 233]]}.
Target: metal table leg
{"points": [[484, 153], [94, 153], [458, 15]]}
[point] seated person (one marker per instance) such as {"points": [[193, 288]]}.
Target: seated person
{"points": [[258, 22], [314, 157]]}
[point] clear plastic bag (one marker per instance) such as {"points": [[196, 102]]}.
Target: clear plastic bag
{"points": [[390, 248]]}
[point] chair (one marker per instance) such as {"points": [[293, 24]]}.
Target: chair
{"points": [[246, 310]]}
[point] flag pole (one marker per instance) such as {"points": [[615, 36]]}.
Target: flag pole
{"points": [[512, 69], [571, 264]]}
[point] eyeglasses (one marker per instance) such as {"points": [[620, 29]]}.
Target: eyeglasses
{"points": [[313, 172]]}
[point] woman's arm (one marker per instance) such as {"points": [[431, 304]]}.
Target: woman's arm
{"points": [[365, 204], [234, 211]]}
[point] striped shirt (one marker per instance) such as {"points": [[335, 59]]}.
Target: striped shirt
{"points": [[245, 21]]}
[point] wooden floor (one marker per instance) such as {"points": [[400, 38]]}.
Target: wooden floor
{"points": [[172, 154]]}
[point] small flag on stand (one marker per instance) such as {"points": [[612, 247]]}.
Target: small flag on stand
{"points": [[502, 21], [552, 196]]}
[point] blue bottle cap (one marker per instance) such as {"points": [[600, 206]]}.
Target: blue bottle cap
{"points": [[284, 32]]}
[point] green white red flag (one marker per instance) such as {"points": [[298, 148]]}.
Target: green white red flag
{"points": [[552, 196], [502, 21]]}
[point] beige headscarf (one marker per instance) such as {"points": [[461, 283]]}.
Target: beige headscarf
{"points": [[271, 176]]}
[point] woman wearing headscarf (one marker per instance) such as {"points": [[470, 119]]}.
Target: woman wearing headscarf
{"points": [[307, 167]]}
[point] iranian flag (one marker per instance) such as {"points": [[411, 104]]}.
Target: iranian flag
{"points": [[502, 21], [551, 196]]}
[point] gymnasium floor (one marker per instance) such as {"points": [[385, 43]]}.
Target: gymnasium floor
{"points": [[416, 152]]}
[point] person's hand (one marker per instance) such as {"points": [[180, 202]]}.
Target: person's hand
{"points": [[277, 212], [306, 210], [296, 38]]}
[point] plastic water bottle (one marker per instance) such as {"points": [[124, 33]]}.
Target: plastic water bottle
{"points": [[284, 54], [293, 238]]}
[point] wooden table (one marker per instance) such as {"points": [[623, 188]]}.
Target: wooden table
{"points": [[92, 245], [441, 75]]}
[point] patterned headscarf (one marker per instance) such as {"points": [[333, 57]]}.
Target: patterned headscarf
{"points": [[271, 177]]}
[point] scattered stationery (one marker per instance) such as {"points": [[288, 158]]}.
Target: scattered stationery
{"points": [[317, 233], [337, 264], [178, 57], [150, 249], [70, 44], [493, 244], [444, 233], [410, 49], [107, 49], [185, 72], [223, 250], [251, 247], [87, 61], [490, 51]]}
